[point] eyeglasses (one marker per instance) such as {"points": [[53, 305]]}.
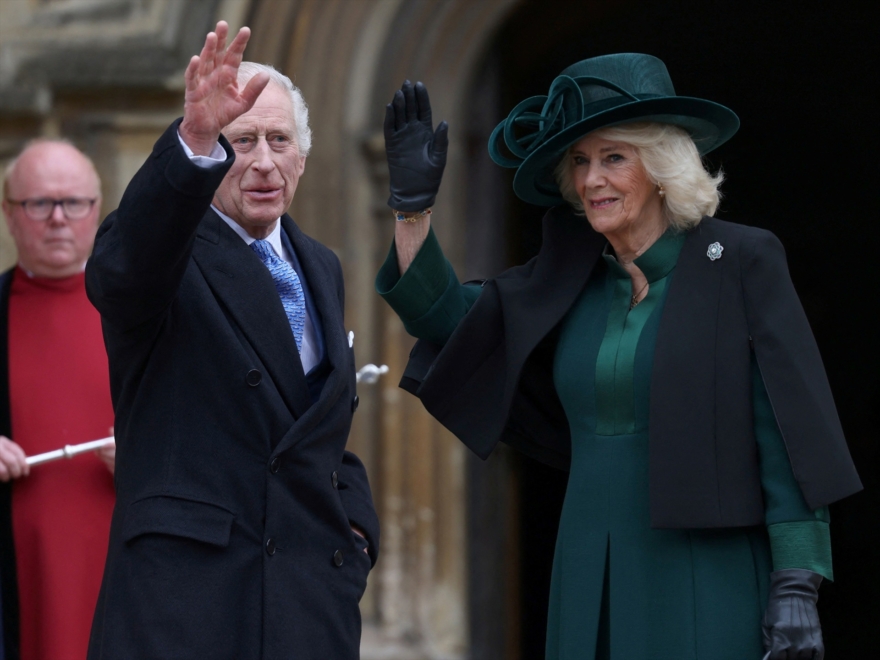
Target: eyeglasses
{"points": [[40, 209]]}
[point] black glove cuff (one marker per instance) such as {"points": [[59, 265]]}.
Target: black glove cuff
{"points": [[411, 203], [795, 582]]}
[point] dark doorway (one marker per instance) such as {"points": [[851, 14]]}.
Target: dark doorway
{"points": [[801, 76]]}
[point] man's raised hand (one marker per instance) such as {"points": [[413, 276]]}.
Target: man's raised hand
{"points": [[213, 99]]}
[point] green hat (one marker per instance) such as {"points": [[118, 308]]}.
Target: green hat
{"points": [[594, 93]]}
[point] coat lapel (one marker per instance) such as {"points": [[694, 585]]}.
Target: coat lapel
{"points": [[682, 435], [323, 283], [245, 288], [688, 325]]}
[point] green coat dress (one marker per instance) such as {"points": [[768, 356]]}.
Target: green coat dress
{"points": [[621, 589]]}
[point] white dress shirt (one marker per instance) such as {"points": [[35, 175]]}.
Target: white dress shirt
{"points": [[309, 355]]}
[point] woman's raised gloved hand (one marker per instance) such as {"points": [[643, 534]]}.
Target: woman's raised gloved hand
{"points": [[791, 621], [416, 152]]}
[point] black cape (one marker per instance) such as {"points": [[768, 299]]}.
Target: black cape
{"points": [[493, 379]]}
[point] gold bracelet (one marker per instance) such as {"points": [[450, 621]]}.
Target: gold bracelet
{"points": [[400, 217]]}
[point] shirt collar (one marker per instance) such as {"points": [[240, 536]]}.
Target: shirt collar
{"points": [[658, 260], [274, 238]]}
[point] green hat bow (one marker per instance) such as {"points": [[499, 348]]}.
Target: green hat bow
{"points": [[561, 108], [592, 94]]}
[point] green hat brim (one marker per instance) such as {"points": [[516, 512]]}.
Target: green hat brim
{"points": [[709, 124]]}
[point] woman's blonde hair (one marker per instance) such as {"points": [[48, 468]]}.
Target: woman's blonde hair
{"points": [[670, 159]]}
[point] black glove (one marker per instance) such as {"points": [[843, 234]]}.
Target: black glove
{"points": [[416, 152], [791, 622]]}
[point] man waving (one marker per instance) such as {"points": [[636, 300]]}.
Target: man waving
{"points": [[242, 529]]}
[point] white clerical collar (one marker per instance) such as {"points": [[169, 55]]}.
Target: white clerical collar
{"points": [[274, 238]]}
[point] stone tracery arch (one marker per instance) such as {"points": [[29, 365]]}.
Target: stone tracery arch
{"points": [[348, 57]]}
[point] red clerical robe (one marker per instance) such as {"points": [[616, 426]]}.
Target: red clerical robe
{"points": [[59, 395]]}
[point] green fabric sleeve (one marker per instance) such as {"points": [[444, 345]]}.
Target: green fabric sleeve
{"points": [[805, 544], [799, 537], [428, 298]]}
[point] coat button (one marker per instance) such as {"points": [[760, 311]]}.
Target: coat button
{"points": [[270, 547], [275, 465], [337, 557], [253, 377], [354, 402], [334, 479]]}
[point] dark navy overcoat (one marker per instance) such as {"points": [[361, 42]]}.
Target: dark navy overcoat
{"points": [[231, 537]]}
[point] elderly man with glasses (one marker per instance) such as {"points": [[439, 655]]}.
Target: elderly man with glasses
{"points": [[54, 391]]}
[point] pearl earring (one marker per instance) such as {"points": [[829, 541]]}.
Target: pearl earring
{"points": [[661, 191]]}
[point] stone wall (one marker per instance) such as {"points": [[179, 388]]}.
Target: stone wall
{"points": [[106, 74]]}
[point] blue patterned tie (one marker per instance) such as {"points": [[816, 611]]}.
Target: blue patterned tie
{"points": [[288, 286]]}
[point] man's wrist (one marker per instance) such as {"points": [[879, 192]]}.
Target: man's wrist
{"points": [[201, 145], [215, 158]]}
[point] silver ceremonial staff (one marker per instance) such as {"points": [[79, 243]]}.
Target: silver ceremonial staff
{"points": [[69, 451]]}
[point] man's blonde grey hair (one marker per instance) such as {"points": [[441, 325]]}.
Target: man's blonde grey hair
{"points": [[670, 159], [248, 70]]}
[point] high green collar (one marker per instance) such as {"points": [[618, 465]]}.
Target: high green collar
{"points": [[657, 262]]}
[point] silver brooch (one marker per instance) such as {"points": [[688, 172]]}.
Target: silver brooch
{"points": [[715, 251]]}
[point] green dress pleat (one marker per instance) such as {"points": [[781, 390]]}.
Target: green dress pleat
{"points": [[669, 594]]}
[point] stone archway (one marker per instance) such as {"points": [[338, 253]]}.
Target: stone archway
{"points": [[349, 57]]}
